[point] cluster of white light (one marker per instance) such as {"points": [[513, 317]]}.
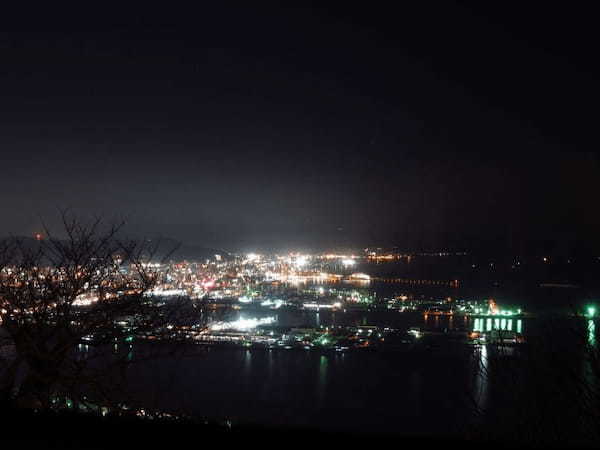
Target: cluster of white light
{"points": [[415, 332], [275, 304], [323, 305], [301, 260], [348, 262], [85, 300], [242, 324], [166, 292], [271, 276], [250, 257], [360, 276]]}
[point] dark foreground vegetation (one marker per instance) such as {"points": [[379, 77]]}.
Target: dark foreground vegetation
{"points": [[66, 429]]}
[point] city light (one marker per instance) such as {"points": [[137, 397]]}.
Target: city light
{"points": [[360, 277], [321, 305], [301, 261], [348, 262], [242, 324], [84, 300], [275, 304], [159, 292]]}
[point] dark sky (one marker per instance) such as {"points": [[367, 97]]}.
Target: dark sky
{"points": [[244, 127]]}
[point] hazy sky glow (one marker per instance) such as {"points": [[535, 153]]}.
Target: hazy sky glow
{"points": [[306, 127]]}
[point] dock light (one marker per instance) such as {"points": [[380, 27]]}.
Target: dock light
{"points": [[591, 311], [348, 262]]}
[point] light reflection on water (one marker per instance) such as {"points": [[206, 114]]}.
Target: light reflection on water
{"points": [[330, 387], [247, 362], [591, 333], [274, 380], [322, 382], [481, 377]]}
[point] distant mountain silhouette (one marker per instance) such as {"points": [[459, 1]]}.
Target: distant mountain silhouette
{"points": [[180, 251], [162, 247]]}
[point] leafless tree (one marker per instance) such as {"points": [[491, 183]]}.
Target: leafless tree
{"points": [[61, 294]]}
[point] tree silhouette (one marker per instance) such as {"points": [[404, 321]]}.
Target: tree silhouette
{"points": [[87, 289]]}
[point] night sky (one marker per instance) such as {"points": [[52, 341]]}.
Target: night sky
{"points": [[250, 128]]}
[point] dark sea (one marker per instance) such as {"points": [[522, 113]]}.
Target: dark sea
{"points": [[451, 390]]}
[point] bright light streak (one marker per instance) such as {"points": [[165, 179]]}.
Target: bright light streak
{"points": [[348, 262], [242, 324], [166, 292], [360, 276], [319, 305]]}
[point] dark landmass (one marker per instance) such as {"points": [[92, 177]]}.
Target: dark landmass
{"points": [[27, 429]]}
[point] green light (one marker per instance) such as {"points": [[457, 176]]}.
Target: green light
{"points": [[591, 333], [591, 311]]}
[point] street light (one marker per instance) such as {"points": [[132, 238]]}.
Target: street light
{"points": [[591, 311]]}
